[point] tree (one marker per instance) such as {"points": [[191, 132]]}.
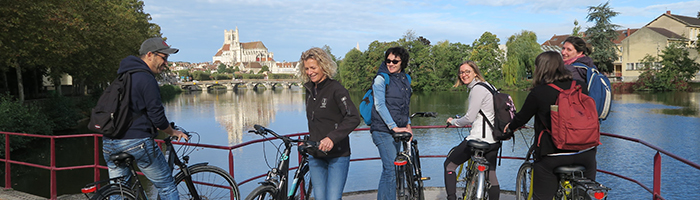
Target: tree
{"points": [[577, 29], [327, 49], [264, 68], [522, 51], [221, 68], [351, 71], [678, 69], [601, 36], [488, 56]]}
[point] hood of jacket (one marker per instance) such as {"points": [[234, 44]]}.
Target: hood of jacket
{"points": [[587, 61], [132, 62]]}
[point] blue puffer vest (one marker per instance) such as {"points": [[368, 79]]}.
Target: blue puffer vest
{"points": [[398, 100]]}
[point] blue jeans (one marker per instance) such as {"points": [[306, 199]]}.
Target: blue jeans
{"points": [[149, 158], [387, 152], [328, 176]]}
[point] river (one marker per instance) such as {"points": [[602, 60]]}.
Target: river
{"points": [[667, 120]]}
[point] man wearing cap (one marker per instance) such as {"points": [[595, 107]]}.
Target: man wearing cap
{"points": [[145, 99]]}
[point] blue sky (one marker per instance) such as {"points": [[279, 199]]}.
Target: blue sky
{"points": [[289, 27]]}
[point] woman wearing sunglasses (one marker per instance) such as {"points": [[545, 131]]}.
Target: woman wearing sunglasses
{"points": [[390, 114]]}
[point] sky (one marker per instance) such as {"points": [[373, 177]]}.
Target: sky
{"points": [[289, 27]]}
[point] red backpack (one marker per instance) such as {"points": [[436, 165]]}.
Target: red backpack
{"points": [[575, 124]]}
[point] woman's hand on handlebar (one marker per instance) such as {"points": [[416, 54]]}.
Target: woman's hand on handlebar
{"points": [[326, 144], [180, 135]]}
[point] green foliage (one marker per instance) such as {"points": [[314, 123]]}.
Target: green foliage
{"points": [[678, 69], [221, 69], [351, 71], [201, 76], [488, 56], [183, 72], [218, 76], [85, 39], [168, 92], [62, 111], [21, 118], [281, 76], [577, 29], [250, 76], [264, 68], [601, 36], [522, 51], [327, 49]]}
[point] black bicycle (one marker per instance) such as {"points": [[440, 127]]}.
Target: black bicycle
{"points": [[198, 181], [276, 183], [572, 184], [409, 177]]}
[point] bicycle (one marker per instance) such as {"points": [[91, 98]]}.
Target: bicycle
{"points": [[198, 181], [409, 177], [476, 175], [276, 183], [572, 183]]}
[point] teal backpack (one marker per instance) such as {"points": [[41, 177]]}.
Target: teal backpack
{"points": [[368, 100]]}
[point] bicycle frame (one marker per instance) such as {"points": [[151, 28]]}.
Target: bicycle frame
{"points": [[477, 172]]}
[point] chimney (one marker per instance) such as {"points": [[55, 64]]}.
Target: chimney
{"points": [[668, 12], [628, 32]]}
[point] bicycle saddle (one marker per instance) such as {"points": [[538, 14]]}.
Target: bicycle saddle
{"points": [[478, 144], [402, 135], [568, 169], [119, 158]]}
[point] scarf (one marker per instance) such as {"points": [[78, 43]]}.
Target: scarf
{"points": [[572, 60]]}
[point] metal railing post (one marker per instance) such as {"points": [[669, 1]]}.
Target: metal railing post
{"points": [[657, 176], [8, 182], [230, 169], [54, 193], [96, 157]]}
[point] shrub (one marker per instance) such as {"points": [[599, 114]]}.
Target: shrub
{"points": [[281, 76], [168, 92], [19, 118], [62, 111]]}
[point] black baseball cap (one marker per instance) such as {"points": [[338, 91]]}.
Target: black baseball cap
{"points": [[156, 44]]}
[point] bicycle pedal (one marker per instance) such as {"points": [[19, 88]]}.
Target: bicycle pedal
{"points": [[424, 178]]}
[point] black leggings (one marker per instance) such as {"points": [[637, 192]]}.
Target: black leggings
{"points": [[460, 154], [545, 182]]}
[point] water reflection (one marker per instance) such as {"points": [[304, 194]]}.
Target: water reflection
{"points": [[678, 103], [237, 111]]}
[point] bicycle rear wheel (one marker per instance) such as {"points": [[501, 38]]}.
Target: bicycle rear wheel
{"points": [[262, 192], [402, 183], [211, 182], [523, 184], [114, 191]]}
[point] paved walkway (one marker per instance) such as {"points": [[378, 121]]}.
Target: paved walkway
{"points": [[430, 193]]}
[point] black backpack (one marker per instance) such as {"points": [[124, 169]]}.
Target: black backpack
{"points": [[504, 111], [112, 115]]}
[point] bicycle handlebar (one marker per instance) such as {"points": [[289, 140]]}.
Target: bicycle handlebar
{"points": [[305, 145]]}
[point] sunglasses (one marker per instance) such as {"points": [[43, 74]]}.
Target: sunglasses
{"points": [[165, 58], [392, 61]]}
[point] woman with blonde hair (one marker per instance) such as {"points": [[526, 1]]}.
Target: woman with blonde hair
{"points": [[480, 109], [331, 117]]}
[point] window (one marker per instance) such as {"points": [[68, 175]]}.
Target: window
{"points": [[630, 66]]}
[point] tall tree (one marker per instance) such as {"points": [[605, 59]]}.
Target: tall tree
{"points": [[522, 50], [350, 71], [328, 49], [577, 29], [601, 36], [488, 56]]}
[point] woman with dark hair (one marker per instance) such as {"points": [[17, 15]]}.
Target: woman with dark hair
{"points": [[390, 114], [575, 50], [331, 116], [480, 109], [549, 68]]}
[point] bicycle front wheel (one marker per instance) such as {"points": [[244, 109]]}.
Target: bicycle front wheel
{"points": [[262, 192], [523, 184], [114, 191], [210, 182]]}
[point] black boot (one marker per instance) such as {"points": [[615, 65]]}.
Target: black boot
{"points": [[451, 185], [494, 192]]}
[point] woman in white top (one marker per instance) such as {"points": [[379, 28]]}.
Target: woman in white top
{"points": [[480, 99]]}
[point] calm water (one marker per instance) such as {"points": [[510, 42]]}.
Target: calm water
{"points": [[666, 120]]}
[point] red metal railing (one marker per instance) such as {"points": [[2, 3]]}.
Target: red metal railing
{"points": [[655, 191]]}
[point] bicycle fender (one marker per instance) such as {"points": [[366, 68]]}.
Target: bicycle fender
{"points": [[198, 164]]}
